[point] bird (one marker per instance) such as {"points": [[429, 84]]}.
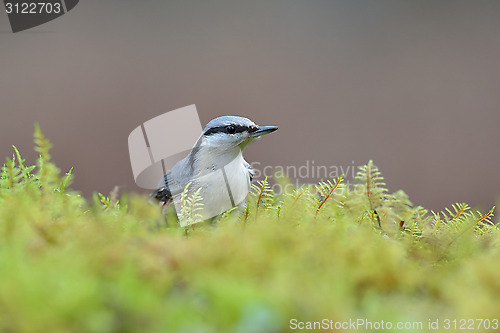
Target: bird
{"points": [[214, 167]]}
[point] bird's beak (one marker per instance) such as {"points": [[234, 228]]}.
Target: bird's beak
{"points": [[263, 130]]}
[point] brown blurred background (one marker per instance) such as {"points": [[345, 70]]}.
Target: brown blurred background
{"points": [[413, 85]]}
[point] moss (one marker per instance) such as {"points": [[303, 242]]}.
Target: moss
{"points": [[324, 251]]}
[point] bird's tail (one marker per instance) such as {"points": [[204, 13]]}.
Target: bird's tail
{"points": [[162, 194]]}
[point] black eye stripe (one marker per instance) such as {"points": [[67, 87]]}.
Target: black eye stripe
{"points": [[222, 129]]}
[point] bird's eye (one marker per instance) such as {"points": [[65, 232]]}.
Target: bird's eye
{"points": [[230, 129]]}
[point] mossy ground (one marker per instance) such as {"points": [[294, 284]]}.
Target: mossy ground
{"points": [[69, 265]]}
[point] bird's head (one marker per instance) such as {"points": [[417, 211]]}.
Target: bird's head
{"points": [[231, 131]]}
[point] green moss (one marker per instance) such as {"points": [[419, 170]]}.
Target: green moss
{"points": [[324, 251]]}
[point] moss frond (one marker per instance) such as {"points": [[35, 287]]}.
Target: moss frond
{"points": [[191, 206], [326, 192], [261, 199], [371, 197], [453, 219]]}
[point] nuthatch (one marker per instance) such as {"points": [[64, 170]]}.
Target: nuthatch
{"points": [[215, 166]]}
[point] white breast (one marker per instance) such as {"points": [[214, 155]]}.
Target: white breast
{"points": [[223, 187]]}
